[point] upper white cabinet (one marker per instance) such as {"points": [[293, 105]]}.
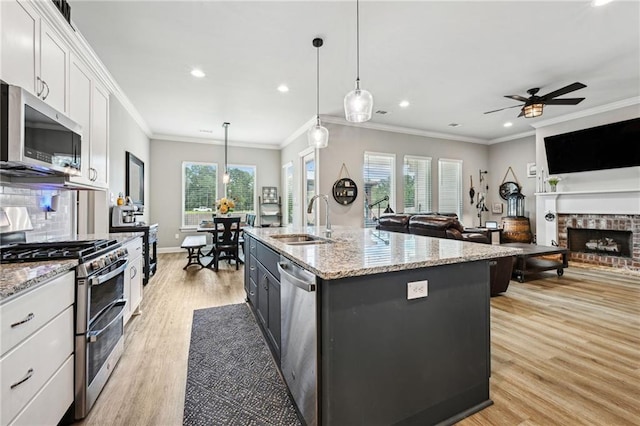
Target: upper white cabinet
{"points": [[99, 160], [89, 107], [33, 54]]}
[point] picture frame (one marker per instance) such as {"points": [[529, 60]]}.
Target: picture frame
{"points": [[496, 208], [531, 170]]}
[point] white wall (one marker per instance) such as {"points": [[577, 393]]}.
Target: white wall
{"points": [[125, 135], [165, 166], [347, 145]]}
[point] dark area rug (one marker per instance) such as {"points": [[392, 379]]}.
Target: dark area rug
{"points": [[232, 378]]}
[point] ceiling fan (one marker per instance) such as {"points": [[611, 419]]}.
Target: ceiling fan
{"points": [[534, 104]]}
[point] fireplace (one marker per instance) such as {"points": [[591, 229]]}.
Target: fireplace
{"points": [[601, 239], [606, 242]]}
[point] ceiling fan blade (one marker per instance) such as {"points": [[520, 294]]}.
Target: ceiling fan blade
{"points": [[496, 110], [521, 113], [517, 98], [567, 101], [566, 89]]}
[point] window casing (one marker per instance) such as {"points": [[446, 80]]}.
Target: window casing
{"points": [[379, 182], [199, 192], [417, 184], [450, 186]]}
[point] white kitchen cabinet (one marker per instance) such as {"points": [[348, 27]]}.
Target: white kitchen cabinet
{"points": [[33, 55], [89, 107], [36, 363], [99, 152], [133, 278]]}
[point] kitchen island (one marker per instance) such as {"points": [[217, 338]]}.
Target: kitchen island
{"points": [[386, 351]]}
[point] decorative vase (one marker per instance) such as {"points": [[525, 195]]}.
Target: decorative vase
{"points": [[552, 187]]}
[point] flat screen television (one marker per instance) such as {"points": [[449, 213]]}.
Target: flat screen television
{"points": [[611, 146]]}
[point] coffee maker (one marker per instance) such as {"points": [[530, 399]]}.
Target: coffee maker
{"points": [[125, 215]]}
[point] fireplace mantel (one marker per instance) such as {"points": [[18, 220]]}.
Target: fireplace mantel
{"points": [[614, 201]]}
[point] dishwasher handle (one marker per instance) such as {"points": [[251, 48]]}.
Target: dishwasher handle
{"points": [[304, 285]]}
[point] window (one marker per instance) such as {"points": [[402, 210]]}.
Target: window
{"points": [[199, 192], [288, 192], [450, 186], [242, 188], [379, 182], [417, 184]]}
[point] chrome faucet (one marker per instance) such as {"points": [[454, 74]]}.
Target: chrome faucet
{"points": [[310, 210]]}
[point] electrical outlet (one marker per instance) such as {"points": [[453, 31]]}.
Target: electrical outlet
{"points": [[177, 236], [417, 289]]}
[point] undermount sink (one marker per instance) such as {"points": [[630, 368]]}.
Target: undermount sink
{"points": [[300, 239]]}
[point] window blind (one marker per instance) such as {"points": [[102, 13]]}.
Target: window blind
{"points": [[417, 184], [288, 181], [242, 188], [450, 186], [379, 182], [199, 192]]}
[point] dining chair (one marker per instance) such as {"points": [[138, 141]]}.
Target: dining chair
{"points": [[226, 240]]}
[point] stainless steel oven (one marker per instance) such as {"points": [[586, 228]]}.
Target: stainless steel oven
{"points": [[100, 305]]}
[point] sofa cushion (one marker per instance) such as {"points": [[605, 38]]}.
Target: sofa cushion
{"points": [[394, 222]]}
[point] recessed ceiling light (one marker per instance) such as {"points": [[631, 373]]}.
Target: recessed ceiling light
{"points": [[508, 124], [283, 88], [454, 124], [404, 104], [197, 73], [596, 3]]}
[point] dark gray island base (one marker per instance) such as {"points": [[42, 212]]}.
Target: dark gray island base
{"points": [[382, 358], [388, 360]]}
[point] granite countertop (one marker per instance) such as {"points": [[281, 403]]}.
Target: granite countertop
{"points": [[18, 277], [359, 251]]}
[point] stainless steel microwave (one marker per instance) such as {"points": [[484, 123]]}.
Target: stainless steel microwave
{"points": [[35, 139]]}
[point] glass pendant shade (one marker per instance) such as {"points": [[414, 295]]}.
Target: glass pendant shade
{"points": [[226, 178], [318, 136], [358, 105], [533, 110]]}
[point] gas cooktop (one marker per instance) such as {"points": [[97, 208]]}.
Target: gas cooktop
{"points": [[33, 252]]}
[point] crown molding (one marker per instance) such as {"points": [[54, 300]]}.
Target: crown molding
{"points": [[512, 137], [190, 139], [403, 130], [81, 48], [298, 132], [588, 112]]}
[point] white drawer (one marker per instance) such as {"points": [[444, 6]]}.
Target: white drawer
{"points": [[53, 400], [37, 358], [37, 307], [134, 248]]}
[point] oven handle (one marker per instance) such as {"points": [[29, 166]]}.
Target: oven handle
{"points": [[92, 336], [101, 279]]}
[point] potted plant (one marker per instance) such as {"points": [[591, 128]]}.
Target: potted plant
{"points": [[553, 182]]}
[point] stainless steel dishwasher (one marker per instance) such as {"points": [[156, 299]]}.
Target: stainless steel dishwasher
{"points": [[299, 350]]}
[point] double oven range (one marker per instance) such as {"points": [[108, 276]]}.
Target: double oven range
{"points": [[99, 307]]}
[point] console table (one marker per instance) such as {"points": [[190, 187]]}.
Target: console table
{"points": [[531, 260]]}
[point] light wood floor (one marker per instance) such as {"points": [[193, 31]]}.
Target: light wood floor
{"points": [[565, 351]]}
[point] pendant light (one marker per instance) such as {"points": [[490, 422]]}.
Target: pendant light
{"points": [[358, 104], [318, 136], [225, 178]]}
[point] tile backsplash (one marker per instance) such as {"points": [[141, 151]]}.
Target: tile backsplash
{"points": [[46, 225]]}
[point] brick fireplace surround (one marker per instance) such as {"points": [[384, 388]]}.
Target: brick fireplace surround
{"points": [[616, 222]]}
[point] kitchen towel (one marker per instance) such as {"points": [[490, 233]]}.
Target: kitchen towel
{"points": [[232, 379]]}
